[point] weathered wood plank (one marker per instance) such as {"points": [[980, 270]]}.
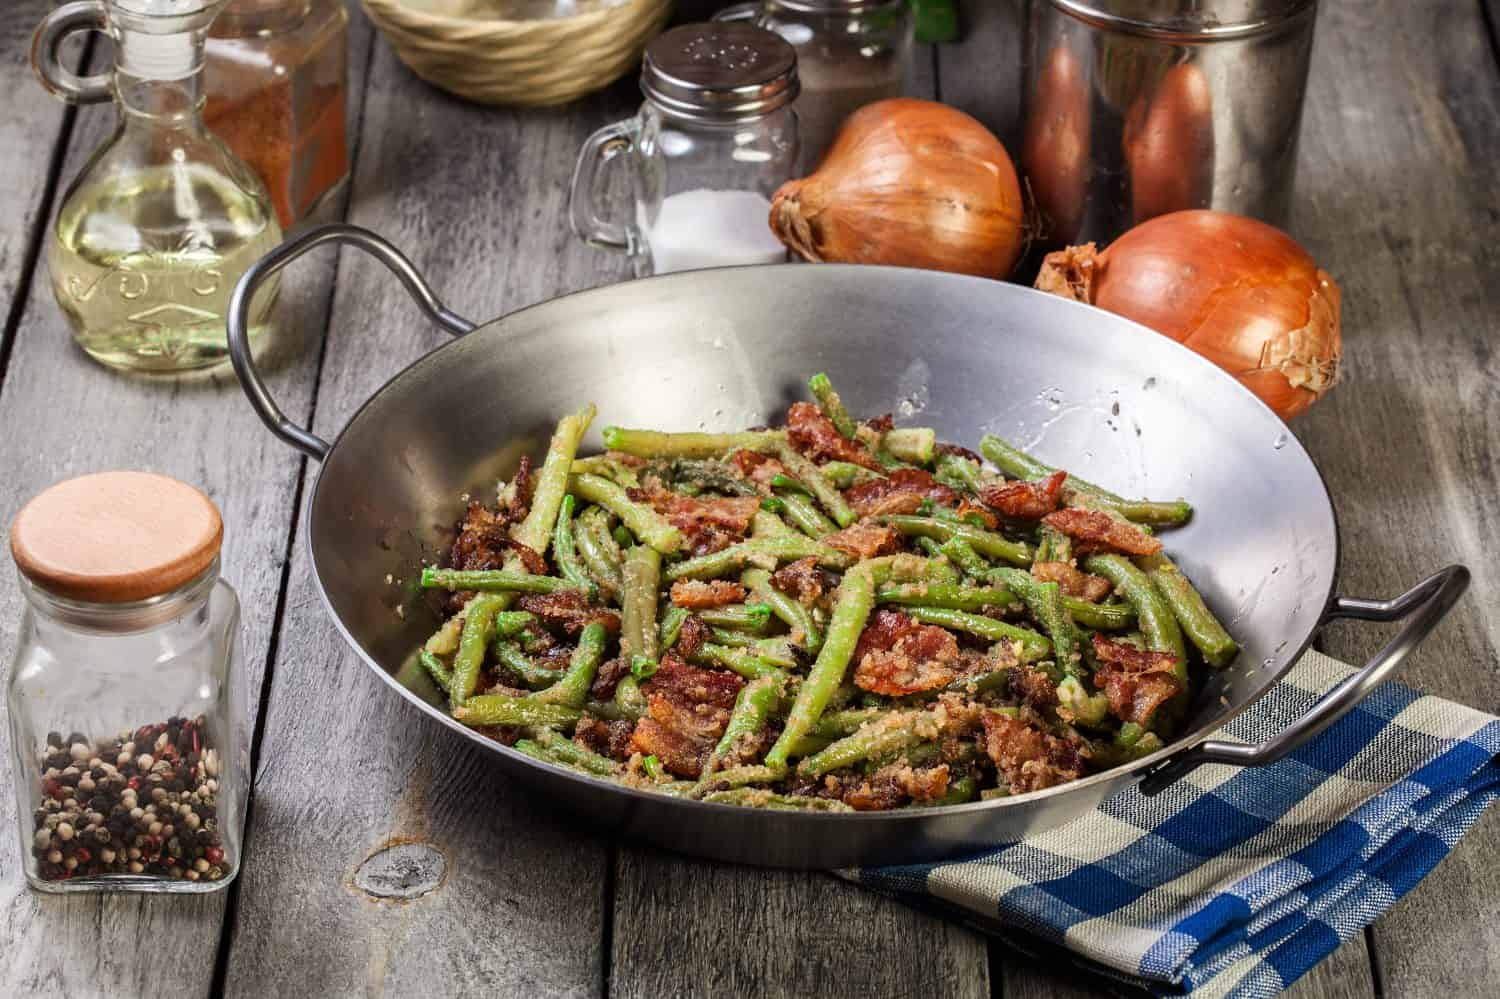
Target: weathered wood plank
{"points": [[199, 428], [1397, 198], [30, 130], [476, 196]]}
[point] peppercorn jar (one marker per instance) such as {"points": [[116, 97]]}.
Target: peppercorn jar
{"points": [[129, 742], [275, 76]]}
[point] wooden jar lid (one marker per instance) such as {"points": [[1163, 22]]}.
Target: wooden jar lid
{"points": [[115, 537]]}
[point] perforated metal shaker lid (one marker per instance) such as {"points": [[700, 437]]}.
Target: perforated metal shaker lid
{"points": [[719, 72]]}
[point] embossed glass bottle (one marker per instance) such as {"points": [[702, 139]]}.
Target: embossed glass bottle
{"points": [[163, 218]]}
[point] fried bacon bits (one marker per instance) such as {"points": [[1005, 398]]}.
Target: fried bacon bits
{"points": [[699, 594], [1025, 500], [903, 491], [924, 658], [815, 436], [608, 677], [692, 636], [758, 468], [1096, 531], [1032, 686], [1027, 757], [688, 710], [482, 540], [1072, 582], [865, 540], [893, 785], [882, 631], [1136, 682], [607, 738], [569, 610], [516, 497], [801, 579], [707, 525]]}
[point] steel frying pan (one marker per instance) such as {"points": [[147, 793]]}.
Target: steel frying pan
{"points": [[725, 349]]}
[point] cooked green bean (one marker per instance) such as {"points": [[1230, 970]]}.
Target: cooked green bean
{"points": [[629, 702], [440, 673], [896, 731], [912, 444], [1100, 617], [765, 524], [671, 626], [607, 468], [777, 650], [831, 405], [803, 513], [1019, 465], [600, 554], [492, 581], [638, 635], [959, 474], [1045, 602], [1033, 645], [533, 677], [755, 797], [789, 484], [483, 710], [655, 444], [908, 569], [552, 481], [1193, 615], [479, 630], [1053, 545], [852, 605], [796, 617], [812, 476], [1152, 613], [570, 752], [963, 555], [565, 552], [837, 724], [742, 661], [960, 790], [844, 474], [984, 542], [573, 689], [753, 707], [746, 617], [788, 548], [950, 595], [644, 522]]}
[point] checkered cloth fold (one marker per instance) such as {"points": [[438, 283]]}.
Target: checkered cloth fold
{"points": [[1236, 882]]}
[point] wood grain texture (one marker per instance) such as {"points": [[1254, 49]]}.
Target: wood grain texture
{"points": [[78, 417], [476, 196], [1397, 198], [30, 129]]}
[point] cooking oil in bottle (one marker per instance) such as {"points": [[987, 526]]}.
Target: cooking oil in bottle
{"points": [[161, 222]]}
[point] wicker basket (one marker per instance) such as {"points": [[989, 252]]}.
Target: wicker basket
{"points": [[532, 63]]}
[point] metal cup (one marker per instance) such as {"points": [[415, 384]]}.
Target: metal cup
{"points": [[1136, 108]]}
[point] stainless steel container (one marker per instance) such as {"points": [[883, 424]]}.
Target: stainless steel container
{"points": [[1136, 108]]}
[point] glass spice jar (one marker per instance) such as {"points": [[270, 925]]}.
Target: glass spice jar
{"points": [[129, 743], [275, 78]]}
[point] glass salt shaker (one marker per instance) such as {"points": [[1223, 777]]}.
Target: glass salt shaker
{"points": [[713, 141], [849, 53], [129, 743]]}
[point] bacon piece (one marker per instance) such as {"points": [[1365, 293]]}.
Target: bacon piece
{"points": [[903, 491], [968, 510], [1032, 686], [1073, 582], [758, 468], [482, 540], [688, 709], [518, 493], [699, 594], [865, 540], [607, 738], [815, 436], [958, 451], [924, 658], [882, 424], [534, 563], [707, 525], [1099, 531], [892, 785], [1136, 681], [693, 635], [882, 631], [610, 673], [1025, 500], [801, 579], [569, 610], [1029, 758]]}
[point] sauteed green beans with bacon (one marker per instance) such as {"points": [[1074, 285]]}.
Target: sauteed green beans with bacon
{"points": [[833, 615]]}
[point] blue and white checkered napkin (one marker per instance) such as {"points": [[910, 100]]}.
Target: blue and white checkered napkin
{"points": [[1235, 882]]}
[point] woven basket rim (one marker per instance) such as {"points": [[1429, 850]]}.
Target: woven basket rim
{"points": [[398, 12]]}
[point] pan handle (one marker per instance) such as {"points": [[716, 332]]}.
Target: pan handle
{"points": [[270, 414], [1422, 606]]}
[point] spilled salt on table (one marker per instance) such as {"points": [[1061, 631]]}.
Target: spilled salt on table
{"points": [[695, 229]]}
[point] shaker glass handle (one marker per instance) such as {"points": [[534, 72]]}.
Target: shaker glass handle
{"points": [[739, 12], [583, 198], [69, 19]]}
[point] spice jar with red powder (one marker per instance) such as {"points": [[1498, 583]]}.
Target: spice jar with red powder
{"points": [[275, 80]]}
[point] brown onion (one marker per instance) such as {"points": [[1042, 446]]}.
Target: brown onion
{"points": [[1169, 145], [1240, 292], [910, 183], [1055, 150]]}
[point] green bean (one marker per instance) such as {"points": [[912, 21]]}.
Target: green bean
{"points": [[638, 603], [565, 552], [552, 481], [1054, 545], [534, 677], [1045, 602], [746, 617], [1087, 709], [740, 661], [572, 753], [959, 474], [914, 444], [837, 724], [1100, 617], [501, 709], [908, 569], [1019, 465], [492, 581], [802, 512], [671, 626], [984, 542], [960, 790], [789, 484], [979, 683], [623, 537], [791, 611], [828, 497], [737, 777], [598, 550], [1152, 612], [1033, 645], [787, 548], [644, 522], [479, 629], [844, 474], [1197, 621], [950, 595], [831, 405], [441, 674], [754, 797], [777, 650], [573, 689], [656, 444], [753, 707], [714, 475], [890, 734], [536, 751], [928, 547], [852, 605], [609, 468], [963, 555], [765, 524]]}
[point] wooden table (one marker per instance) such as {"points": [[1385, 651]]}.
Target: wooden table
{"points": [[1398, 196]]}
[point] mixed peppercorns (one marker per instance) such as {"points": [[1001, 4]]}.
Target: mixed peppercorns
{"points": [[142, 803]]}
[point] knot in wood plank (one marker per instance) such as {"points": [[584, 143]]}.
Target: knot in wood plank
{"points": [[403, 871]]}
